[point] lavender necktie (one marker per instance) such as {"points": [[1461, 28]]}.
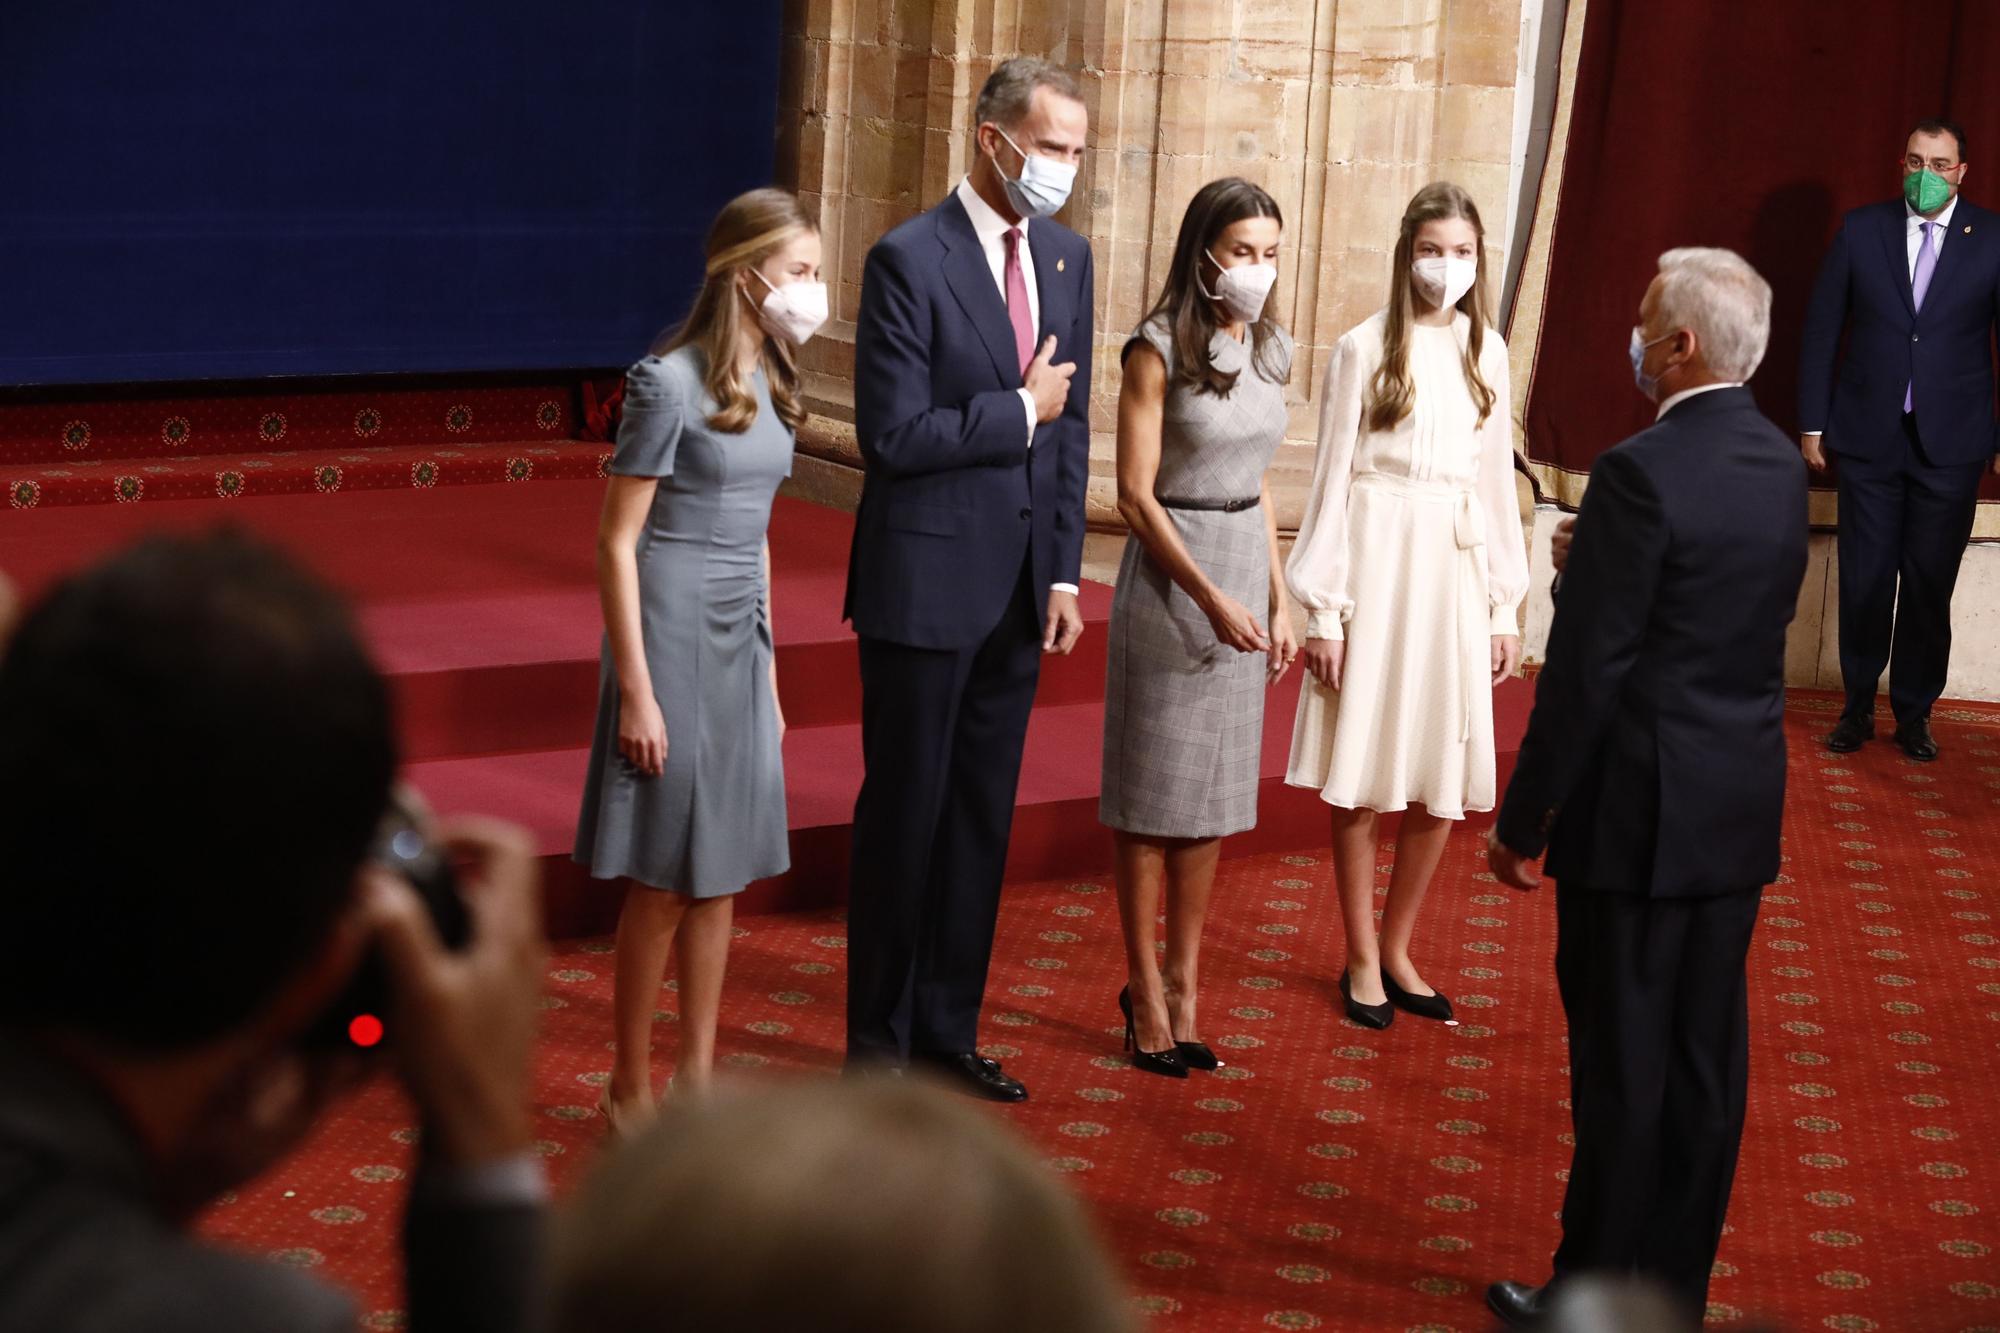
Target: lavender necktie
{"points": [[1920, 282]]}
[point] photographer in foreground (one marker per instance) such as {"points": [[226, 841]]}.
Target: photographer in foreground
{"points": [[195, 759]]}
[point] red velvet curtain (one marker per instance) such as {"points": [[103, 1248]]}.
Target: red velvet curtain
{"points": [[1752, 124]]}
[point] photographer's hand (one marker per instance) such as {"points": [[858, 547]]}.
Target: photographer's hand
{"points": [[463, 1022]]}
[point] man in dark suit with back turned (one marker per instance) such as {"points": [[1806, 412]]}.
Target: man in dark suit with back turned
{"points": [[971, 400], [1915, 283], [1653, 772], [196, 754]]}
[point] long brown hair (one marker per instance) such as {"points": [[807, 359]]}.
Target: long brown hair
{"points": [[749, 229], [1391, 391], [1190, 316]]}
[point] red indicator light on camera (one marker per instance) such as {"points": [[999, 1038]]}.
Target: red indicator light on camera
{"points": [[365, 1030]]}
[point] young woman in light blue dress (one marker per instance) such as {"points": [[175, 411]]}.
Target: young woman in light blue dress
{"points": [[685, 796]]}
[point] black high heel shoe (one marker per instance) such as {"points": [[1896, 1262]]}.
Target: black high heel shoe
{"points": [[1196, 1055], [1423, 1006], [1165, 1063], [1377, 1016]]}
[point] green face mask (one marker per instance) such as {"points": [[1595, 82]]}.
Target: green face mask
{"points": [[1925, 190]]}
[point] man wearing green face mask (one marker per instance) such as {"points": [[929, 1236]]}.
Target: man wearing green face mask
{"points": [[1909, 412]]}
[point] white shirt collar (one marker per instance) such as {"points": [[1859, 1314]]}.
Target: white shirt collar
{"points": [[1943, 219], [1675, 400], [987, 224]]}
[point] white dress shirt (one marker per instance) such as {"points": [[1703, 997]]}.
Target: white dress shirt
{"points": [[991, 229], [1914, 231], [1674, 400]]}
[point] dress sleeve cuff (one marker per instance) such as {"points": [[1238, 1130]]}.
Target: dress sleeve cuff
{"points": [[1506, 620], [1324, 625], [1028, 405], [1069, 588]]}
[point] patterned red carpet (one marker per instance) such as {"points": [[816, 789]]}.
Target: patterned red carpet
{"points": [[1335, 1178]]}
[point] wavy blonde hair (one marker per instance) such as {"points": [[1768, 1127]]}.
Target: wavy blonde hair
{"points": [[1391, 391], [749, 229]]}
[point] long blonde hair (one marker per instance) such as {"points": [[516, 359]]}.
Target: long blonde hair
{"points": [[1391, 391], [749, 229]]}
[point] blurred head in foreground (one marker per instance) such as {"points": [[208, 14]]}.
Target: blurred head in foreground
{"points": [[820, 1207]]}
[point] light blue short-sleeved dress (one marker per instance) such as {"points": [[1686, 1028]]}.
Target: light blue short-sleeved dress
{"points": [[714, 821]]}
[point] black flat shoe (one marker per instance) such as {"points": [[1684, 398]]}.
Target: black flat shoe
{"points": [[1850, 734], [1516, 1304], [974, 1075], [1914, 740], [1377, 1016], [1196, 1055], [1167, 1063], [1423, 1006]]}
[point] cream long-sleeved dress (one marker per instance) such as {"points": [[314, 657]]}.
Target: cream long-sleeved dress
{"points": [[1411, 551]]}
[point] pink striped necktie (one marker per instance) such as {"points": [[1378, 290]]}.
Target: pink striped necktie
{"points": [[1017, 301]]}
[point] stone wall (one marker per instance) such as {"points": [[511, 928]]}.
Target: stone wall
{"points": [[1340, 108]]}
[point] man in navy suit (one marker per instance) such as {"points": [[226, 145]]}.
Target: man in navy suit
{"points": [[1653, 772], [1909, 411], [971, 400]]}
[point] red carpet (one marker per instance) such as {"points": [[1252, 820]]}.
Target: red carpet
{"points": [[222, 443], [1335, 1178]]}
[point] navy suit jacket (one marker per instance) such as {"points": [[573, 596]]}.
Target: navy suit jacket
{"points": [[1945, 351], [1654, 763], [954, 500]]}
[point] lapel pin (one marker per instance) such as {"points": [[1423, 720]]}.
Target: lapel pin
{"points": [[1060, 263], [1968, 232]]}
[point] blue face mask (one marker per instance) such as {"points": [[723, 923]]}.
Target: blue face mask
{"points": [[1043, 186], [1648, 384]]}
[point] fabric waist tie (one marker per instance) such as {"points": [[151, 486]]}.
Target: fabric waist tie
{"points": [[1468, 531]]}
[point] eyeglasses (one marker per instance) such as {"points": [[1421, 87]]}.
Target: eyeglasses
{"points": [[1938, 164]]}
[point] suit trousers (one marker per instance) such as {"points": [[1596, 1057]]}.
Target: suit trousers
{"points": [[941, 735], [1657, 1003], [1904, 523]]}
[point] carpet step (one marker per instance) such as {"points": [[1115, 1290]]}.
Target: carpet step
{"points": [[128, 425], [1055, 832], [321, 472], [481, 603]]}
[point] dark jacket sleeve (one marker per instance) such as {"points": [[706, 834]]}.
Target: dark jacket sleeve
{"points": [[474, 1266], [1073, 465], [1826, 316], [901, 431], [1607, 599]]}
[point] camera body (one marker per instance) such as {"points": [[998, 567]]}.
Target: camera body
{"points": [[358, 1018]]}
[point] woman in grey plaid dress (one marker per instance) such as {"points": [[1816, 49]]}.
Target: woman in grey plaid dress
{"points": [[1200, 412]]}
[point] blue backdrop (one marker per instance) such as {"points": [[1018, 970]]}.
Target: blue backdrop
{"points": [[289, 187]]}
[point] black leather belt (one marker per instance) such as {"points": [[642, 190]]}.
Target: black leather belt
{"points": [[1214, 506]]}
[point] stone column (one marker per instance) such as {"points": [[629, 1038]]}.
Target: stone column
{"points": [[1340, 109]]}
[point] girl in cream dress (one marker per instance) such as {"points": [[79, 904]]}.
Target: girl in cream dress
{"points": [[1411, 567]]}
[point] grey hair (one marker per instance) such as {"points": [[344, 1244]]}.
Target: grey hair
{"points": [[1010, 89], [1723, 300]]}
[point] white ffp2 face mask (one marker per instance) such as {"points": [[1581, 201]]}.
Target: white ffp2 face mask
{"points": [[1241, 291], [1444, 280], [794, 312], [1043, 186]]}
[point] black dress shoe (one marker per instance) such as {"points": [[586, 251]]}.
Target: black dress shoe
{"points": [[1850, 733], [1914, 740], [1377, 1016], [1166, 1063], [975, 1075], [1516, 1304], [1423, 1006]]}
